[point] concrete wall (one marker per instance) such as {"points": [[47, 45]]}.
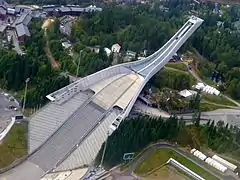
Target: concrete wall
{"points": [[185, 169]]}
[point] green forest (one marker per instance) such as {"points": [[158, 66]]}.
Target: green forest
{"points": [[15, 69], [135, 27], [173, 79], [136, 133], [145, 27]]}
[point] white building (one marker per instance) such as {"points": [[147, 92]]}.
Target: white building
{"points": [[225, 163], [108, 51], [216, 164], [184, 169], [200, 155], [207, 89], [66, 44], [187, 93], [116, 48]]}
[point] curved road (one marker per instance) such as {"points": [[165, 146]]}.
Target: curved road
{"points": [[128, 174]]}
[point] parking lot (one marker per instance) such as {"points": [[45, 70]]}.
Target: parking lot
{"points": [[8, 108]]}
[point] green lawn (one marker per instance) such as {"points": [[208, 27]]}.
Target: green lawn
{"points": [[14, 145], [234, 154], [161, 156], [217, 99], [209, 107], [177, 65]]}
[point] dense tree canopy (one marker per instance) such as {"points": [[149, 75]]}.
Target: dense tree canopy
{"points": [[135, 27], [173, 79], [136, 133], [148, 27], [15, 69]]}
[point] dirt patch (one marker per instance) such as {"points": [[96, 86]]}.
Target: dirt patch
{"points": [[47, 23], [53, 61]]}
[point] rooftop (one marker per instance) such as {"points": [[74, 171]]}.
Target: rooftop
{"points": [[64, 9], [3, 10], [22, 30], [3, 27], [24, 18]]}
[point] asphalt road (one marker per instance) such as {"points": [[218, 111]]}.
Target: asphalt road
{"points": [[5, 112], [128, 174]]}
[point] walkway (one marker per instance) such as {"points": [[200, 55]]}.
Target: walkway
{"points": [[49, 55]]}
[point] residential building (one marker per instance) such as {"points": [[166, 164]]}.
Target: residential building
{"points": [[116, 48], [108, 51], [76, 11], [187, 93], [24, 19], [22, 32], [3, 12], [3, 28], [94, 49], [22, 26], [69, 10], [131, 53], [64, 10], [66, 24], [10, 11], [66, 45]]}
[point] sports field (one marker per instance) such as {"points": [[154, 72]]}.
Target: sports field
{"points": [[157, 159], [166, 173]]}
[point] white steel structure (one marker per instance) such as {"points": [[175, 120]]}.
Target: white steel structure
{"points": [[216, 164], [200, 155], [184, 169], [68, 132], [192, 151], [225, 163]]}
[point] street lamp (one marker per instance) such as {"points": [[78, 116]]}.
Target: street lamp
{"points": [[79, 59], [25, 94]]}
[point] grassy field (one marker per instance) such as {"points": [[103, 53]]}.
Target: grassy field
{"points": [[177, 65], [234, 154], [161, 156], [14, 145], [217, 99], [209, 107], [166, 173]]}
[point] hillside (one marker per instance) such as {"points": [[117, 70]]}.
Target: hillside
{"points": [[223, 1]]}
